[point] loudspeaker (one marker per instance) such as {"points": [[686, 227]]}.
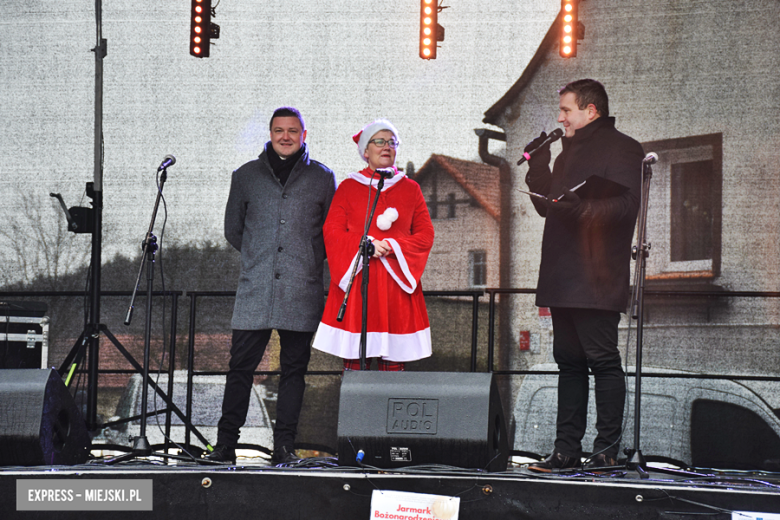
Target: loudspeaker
{"points": [[40, 424], [411, 418]]}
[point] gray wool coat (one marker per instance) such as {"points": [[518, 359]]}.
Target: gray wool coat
{"points": [[278, 230]]}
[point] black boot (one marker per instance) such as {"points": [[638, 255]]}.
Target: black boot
{"points": [[600, 462], [222, 453], [554, 462], [284, 455]]}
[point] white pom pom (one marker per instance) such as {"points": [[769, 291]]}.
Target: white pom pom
{"points": [[386, 219], [383, 223]]}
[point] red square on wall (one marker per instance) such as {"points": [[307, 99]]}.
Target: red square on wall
{"points": [[525, 340]]}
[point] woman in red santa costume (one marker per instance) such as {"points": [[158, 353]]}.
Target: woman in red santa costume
{"points": [[402, 234]]}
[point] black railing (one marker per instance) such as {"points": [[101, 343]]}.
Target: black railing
{"points": [[492, 292], [474, 295]]}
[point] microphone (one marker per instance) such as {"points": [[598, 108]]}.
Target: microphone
{"points": [[385, 173], [650, 158], [554, 136], [168, 160]]}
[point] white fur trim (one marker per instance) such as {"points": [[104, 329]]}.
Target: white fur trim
{"points": [[408, 288], [345, 279], [399, 254], [391, 347], [362, 179], [370, 131]]}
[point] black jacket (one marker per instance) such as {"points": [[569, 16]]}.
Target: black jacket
{"points": [[586, 252]]}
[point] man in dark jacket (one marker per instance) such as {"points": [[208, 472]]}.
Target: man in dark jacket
{"points": [[584, 272], [274, 216]]}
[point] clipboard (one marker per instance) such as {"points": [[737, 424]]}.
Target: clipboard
{"points": [[594, 187]]}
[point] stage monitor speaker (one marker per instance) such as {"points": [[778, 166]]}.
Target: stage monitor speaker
{"points": [[403, 419], [40, 424]]}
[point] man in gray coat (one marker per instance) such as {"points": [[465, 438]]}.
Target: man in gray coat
{"points": [[274, 216]]}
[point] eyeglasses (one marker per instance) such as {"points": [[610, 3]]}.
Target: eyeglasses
{"points": [[381, 143]]}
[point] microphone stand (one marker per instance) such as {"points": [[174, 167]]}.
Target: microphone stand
{"points": [[366, 251], [141, 446], [636, 461]]}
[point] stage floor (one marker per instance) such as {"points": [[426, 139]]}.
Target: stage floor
{"points": [[316, 488]]}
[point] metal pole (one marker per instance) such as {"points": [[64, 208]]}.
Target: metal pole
{"points": [[474, 328], [100, 53], [97, 234], [636, 461]]}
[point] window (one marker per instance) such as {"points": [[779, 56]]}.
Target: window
{"points": [[451, 205], [691, 211], [684, 215], [446, 207], [478, 268]]}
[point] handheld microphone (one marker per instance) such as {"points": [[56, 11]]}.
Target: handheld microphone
{"points": [[554, 136], [650, 158], [168, 160], [385, 173]]}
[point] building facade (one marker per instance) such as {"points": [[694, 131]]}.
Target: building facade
{"points": [[696, 83], [462, 199]]}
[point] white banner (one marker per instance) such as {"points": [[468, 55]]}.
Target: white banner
{"points": [[752, 515], [398, 505]]}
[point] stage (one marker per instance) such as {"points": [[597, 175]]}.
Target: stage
{"points": [[319, 489]]}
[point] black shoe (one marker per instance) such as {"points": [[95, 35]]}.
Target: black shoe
{"points": [[554, 462], [222, 453], [599, 462], [284, 455]]}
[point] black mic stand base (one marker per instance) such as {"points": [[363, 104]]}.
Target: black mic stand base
{"points": [[636, 462], [142, 448]]}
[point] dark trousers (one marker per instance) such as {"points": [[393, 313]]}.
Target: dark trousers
{"points": [[246, 353], [587, 339]]}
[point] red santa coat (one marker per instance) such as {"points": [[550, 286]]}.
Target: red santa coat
{"points": [[398, 328]]}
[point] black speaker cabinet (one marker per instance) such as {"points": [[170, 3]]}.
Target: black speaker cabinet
{"points": [[40, 423], [410, 418]]}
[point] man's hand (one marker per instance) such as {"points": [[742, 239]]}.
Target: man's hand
{"points": [[542, 156], [568, 202]]}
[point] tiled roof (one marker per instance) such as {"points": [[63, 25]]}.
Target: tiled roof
{"points": [[480, 180]]}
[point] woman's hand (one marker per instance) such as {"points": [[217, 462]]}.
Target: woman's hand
{"points": [[381, 248]]}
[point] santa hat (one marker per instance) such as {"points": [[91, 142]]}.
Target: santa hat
{"points": [[369, 131]]}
